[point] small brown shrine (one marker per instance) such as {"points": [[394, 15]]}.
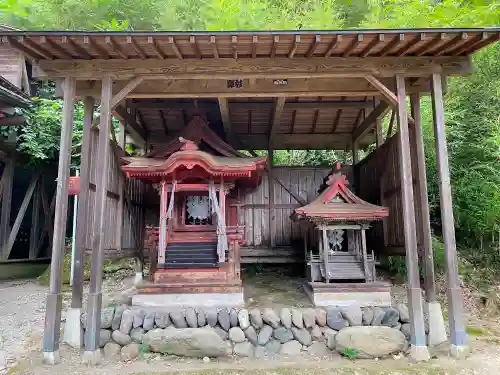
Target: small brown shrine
{"points": [[341, 218], [195, 248]]}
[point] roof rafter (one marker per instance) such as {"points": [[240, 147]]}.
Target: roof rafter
{"points": [[278, 109]]}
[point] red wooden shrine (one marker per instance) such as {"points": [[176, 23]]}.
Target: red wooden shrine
{"points": [[197, 238]]}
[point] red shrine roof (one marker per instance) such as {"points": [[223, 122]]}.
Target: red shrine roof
{"points": [[338, 203], [183, 158]]}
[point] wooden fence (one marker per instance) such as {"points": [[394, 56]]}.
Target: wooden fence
{"points": [[379, 182]]}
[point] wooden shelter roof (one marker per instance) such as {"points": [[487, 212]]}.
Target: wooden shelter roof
{"points": [[291, 89], [41, 45]]}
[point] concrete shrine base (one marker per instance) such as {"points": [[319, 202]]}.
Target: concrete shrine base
{"points": [[189, 300], [346, 294]]}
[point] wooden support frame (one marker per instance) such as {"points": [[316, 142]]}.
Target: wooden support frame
{"points": [[95, 290], [54, 298], [262, 68], [278, 109], [270, 181], [7, 182], [19, 218], [368, 123], [410, 235], [458, 335], [224, 112], [122, 94], [386, 92], [82, 210], [35, 221], [427, 257]]}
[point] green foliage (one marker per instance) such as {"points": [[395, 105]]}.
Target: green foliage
{"points": [[350, 353]]}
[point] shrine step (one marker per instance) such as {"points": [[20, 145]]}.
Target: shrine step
{"points": [[191, 255]]}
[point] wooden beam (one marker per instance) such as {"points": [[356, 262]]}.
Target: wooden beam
{"points": [[224, 112], [262, 68], [174, 47], [411, 44], [156, 48], [298, 141], [391, 45], [102, 162], [234, 45], [115, 47], [255, 43], [379, 38], [274, 47], [137, 48], [101, 52], [14, 44], [333, 45], [36, 47], [76, 47], [65, 53], [213, 43], [458, 335], [315, 121], [387, 93], [410, 234], [163, 121], [368, 123], [391, 125], [83, 214], [122, 94], [270, 181], [460, 39], [12, 120], [336, 120], [54, 298], [194, 45], [278, 109], [19, 218], [352, 46], [131, 121], [431, 45], [313, 46]]}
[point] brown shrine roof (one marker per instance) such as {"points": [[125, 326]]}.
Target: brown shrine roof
{"points": [[338, 203]]}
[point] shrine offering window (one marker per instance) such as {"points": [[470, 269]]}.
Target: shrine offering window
{"points": [[197, 210]]}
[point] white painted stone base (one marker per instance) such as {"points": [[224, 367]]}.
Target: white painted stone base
{"points": [[419, 354], [73, 330], [459, 351], [189, 300], [361, 299], [138, 278], [51, 358], [92, 357], [437, 329]]}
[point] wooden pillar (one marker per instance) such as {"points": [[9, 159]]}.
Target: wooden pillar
{"points": [[355, 153], [364, 253], [458, 336], [82, 210], [95, 292], [410, 236], [325, 253], [54, 298], [163, 221], [35, 221], [428, 259], [272, 226], [8, 181], [379, 140], [121, 192]]}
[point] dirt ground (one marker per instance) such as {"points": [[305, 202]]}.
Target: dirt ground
{"points": [[22, 309]]}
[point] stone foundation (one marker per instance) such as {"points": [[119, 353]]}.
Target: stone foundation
{"points": [[211, 332], [178, 300]]}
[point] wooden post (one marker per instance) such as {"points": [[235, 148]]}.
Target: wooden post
{"points": [[163, 221], [92, 351], [365, 256], [54, 298], [8, 180], [82, 210], [35, 221], [428, 259], [121, 191], [325, 253], [355, 153], [272, 226], [418, 343], [458, 336]]}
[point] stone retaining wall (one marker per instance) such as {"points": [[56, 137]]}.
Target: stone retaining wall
{"points": [[373, 332]]}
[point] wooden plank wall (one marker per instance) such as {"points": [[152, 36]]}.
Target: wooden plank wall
{"points": [[254, 205], [136, 189], [11, 65], [379, 183]]}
